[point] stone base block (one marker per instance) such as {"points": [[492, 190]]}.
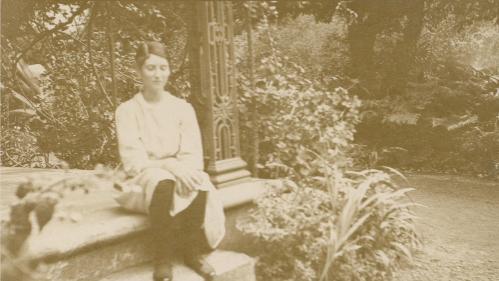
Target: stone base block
{"points": [[230, 266]]}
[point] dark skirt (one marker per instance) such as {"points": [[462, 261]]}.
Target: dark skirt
{"points": [[182, 233]]}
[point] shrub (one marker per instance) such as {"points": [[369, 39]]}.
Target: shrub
{"points": [[446, 124], [19, 148], [447, 118], [71, 114], [365, 232], [474, 45], [359, 227], [327, 54], [293, 110], [291, 224], [308, 118]]}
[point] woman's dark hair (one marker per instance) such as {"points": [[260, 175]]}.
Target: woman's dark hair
{"points": [[147, 48]]}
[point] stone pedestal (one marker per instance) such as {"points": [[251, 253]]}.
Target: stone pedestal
{"points": [[214, 90]]}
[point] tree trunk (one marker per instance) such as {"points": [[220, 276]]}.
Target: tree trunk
{"points": [[405, 51], [373, 17], [112, 58]]}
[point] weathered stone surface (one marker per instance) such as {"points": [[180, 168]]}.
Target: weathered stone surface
{"points": [[230, 266], [103, 260], [98, 227], [108, 239], [106, 222]]}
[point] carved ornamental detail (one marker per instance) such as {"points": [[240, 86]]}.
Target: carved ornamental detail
{"points": [[214, 62]]}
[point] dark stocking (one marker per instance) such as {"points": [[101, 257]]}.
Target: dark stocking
{"points": [[161, 229]]}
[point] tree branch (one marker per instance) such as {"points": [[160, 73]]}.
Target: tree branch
{"points": [[42, 36], [111, 52], [85, 45], [91, 57], [58, 27], [175, 74], [253, 109]]}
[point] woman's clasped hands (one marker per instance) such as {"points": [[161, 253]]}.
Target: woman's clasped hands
{"points": [[189, 179]]}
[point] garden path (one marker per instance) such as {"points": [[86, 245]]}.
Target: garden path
{"points": [[460, 229]]}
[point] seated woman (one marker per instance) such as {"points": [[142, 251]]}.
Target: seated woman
{"points": [[160, 148]]}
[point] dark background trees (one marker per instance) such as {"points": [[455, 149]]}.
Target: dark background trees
{"points": [[418, 66], [425, 70]]}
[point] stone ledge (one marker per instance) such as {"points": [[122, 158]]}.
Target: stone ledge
{"points": [[106, 223], [229, 266]]}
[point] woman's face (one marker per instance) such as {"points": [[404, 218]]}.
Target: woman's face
{"points": [[155, 72]]}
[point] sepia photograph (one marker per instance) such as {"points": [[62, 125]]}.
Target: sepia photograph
{"points": [[283, 140]]}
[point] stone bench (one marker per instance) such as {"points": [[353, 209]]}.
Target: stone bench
{"points": [[109, 243]]}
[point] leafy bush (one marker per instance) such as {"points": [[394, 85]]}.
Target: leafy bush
{"points": [[364, 232], [327, 54], [478, 151], [445, 124], [293, 110], [307, 126], [19, 148], [308, 118], [291, 224], [70, 114], [474, 45], [447, 118]]}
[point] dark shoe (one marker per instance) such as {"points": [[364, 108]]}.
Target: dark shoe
{"points": [[162, 271], [200, 265]]}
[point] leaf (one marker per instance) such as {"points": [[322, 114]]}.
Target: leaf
{"points": [[23, 189], [353, 228], [463, 121], [22, 99], [19, 226], [403, 249], [382, 257], [394, 171], [23, 112], [397, 194], [402, 118], [44, 211]]}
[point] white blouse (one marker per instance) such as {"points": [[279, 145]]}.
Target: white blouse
{"points": [[148, 132]]}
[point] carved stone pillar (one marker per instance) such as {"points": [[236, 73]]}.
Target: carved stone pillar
{"points": [[214, 90]]}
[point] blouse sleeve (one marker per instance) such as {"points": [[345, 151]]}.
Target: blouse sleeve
{"points": [[132, 152], [191, 150]]}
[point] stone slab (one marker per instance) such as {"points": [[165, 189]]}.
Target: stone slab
{"points": [[95, 263], [105, 222], [107, 238], [229, 266], [100, 260]]}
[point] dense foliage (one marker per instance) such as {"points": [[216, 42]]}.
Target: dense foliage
{"points": [[439, 116], [294, 110], [447, 119], [365, 233], [332, 226], [86, 50], [451, 77], [428, 84]]}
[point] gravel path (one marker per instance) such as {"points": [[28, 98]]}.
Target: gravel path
{"points": [[460, 230]]}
